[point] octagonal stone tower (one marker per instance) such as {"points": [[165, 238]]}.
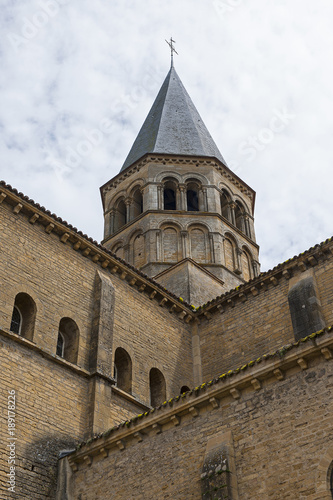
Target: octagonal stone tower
{"points": [[175, 210]]}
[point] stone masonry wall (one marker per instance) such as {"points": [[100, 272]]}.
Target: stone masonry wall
{"points": [[275, 433], [258, 324], [57, 406], [50, 415]]}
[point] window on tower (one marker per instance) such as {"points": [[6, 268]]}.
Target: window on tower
{"points": [[169, 199], [169, 195], [225, 205], [137, 203], [192, 200]]}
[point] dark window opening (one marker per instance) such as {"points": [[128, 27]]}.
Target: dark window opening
{"points": [[137, 207], [157, 387], [60, 345], [24, 316], [169, 199], [225, 206], [192, 201], [305, 308], [123, 370], [184, 389], [68, 340], [15, 325]]}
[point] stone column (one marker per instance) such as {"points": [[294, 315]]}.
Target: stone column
{"points": [[184, 238], [128, 202], [112, 217], [205, 201], [247, 226], [178, 199], [160, 197], [212, 249], [232, 207], [238, 262], [219, 249], [201, 200], [144, 200], [183, 200], [159, 245]]}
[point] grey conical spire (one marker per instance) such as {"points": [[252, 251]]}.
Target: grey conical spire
{"points": [[173, 126]]}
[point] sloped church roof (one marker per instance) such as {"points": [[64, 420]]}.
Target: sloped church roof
{"points": [[173, 126]]}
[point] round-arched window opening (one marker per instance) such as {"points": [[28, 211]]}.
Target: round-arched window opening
{"points": [[60, 345], [15, 325], [184, 389], [169, 199], [331, 481], [192, 201]]}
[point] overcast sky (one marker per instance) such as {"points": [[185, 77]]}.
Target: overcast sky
{"points": [[260, 74]]}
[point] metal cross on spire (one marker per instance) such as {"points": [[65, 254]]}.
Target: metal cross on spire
{"points": [[172, 49]]}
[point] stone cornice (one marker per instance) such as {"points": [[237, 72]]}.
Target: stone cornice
{"points": [[270, 368]]}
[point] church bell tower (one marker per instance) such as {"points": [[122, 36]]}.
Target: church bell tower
{"points": [[175, 210]]}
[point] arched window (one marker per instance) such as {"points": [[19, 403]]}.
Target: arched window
{"points": [[247, 266], [123, 369], [157, 387], [229, 254], [120, 215], [16, 323], [119, 251], [184, 389], [225, 209], [24, 316], [192, 197], [139, 251], [305, 308], [170, 244], [192, 200], [60, 345], [169, 196], [137, 205], [239, 215], [198, 245], [68, 340]]}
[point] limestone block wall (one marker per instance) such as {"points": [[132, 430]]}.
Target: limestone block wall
{"points": [[51, 414], [255, 318], [58, 402], [153, 338], [271, 422]]}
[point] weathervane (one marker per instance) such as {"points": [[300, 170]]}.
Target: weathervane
{"points": [[172, 49]]}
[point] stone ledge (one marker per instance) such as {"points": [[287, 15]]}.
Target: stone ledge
{"points": [[130, 397], [52, 357]]}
